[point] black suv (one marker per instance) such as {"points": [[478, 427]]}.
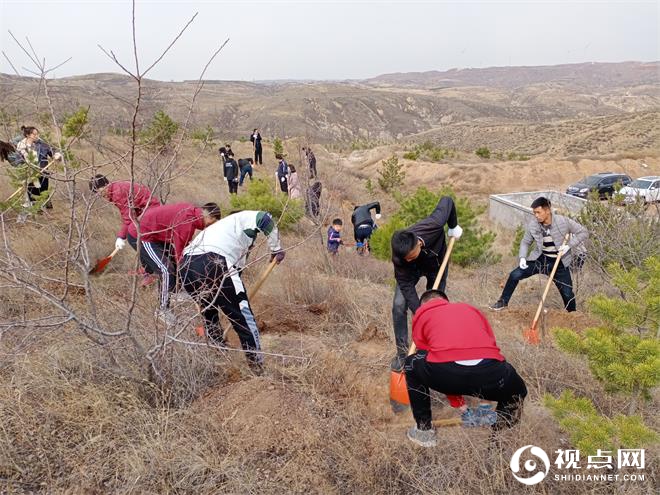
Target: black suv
{"points": [[606, 183]]}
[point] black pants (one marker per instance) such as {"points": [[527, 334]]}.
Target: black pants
{"points": [[34, 191], [489, 380], [363, 231], [233, 186], [132, 241], [543, 265], [205, 278], [159, 258], [258, 155], [284, 185]]}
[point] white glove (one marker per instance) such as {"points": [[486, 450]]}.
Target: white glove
{"points": [[563, 249], [378, 216], [282, 179], [57, 155], [456, 232], [523, 264], [225, 179], [120, 243]]}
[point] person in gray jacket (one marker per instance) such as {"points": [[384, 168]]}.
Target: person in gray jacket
{"points": [[548, 232]]}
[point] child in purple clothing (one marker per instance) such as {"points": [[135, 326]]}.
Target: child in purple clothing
{"points": [[334, 236]]}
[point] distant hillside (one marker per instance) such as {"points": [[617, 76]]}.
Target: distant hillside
{"points": [[383, 109]]}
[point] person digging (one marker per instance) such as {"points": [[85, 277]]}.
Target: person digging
{"points": [[457, 355], [418, 252], [547, 232], [211, 273]]}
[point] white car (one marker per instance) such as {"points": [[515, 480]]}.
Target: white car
{"points": [[646, 188]]}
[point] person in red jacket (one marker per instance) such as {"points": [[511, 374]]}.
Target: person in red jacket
{"points": [[164, 232], [130, 206], [457, 355]]}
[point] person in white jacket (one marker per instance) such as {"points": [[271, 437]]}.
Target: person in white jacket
{"points": [[211, 274]]}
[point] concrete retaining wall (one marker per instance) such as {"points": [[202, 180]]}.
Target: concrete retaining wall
{"points": [[513, 209]]}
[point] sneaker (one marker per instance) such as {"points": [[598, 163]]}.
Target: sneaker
{"points": [[148, 279], [166, 316], [469, 419], [498, 306], [423, 438], [485, 415]]}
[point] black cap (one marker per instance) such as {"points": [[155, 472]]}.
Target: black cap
{"points": [[97, 182]]}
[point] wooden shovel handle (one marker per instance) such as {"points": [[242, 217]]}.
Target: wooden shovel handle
{"points": [[438, 278], [547, 285], [263, 278]]}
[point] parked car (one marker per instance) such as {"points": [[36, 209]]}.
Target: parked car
{"points": [[605, 184], [644, 188]]}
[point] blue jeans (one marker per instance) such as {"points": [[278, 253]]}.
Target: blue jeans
{"points": [[245, 171], [543, 265]]}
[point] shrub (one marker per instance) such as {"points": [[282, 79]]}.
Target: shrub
{"points": [[483, 152], [160, 131], [473, 247], [369, 186], [590, 431], [515, 246], [278, 146], [391, 175], [411, 155], [74, 124], [259, 196], [204, 135]]}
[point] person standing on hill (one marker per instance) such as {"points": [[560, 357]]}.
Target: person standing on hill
{"points": [[211, 273], [131, 201], [311, 161], [294, 184], [457, 355], [232, 173], [255, 138], [363, 224], [282, 174], [418, 252], [547, 232], [164, 233], [35, 152]]}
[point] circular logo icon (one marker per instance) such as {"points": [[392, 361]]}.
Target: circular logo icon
{"points": [[530, 465]]}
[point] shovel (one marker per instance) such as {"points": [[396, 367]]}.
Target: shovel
{"points": [[398, 389], [102, 263], [531, 334], [253, 293]]}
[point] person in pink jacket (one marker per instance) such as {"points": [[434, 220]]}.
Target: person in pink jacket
{"points": [[294, 184]]}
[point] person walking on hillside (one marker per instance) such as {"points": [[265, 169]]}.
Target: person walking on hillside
{"points": [[282, 174], [245, 165], [255, 138], [311, 161], [294, 184], [363, 224], [417, 252], [164, 233], [232, 173], [457, 355], [131, 201], [211, 273], [547, 232], [36, 153]]}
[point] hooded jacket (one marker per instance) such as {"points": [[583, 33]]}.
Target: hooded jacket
{"points": [[432, 233], [453, 332], [118, 193], [175, 224]]}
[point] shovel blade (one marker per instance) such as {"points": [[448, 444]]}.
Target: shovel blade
{"points": [[399, 398], [200, 331], [531, 335], [100, 265]]}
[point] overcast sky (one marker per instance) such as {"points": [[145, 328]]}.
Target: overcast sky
{"points": [[328, 40]]}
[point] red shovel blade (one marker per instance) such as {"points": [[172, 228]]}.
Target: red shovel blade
{"points": [[531, 335], [200, 331], [100, 265]]}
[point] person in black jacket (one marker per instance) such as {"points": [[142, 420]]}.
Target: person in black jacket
{"points": [[232, 173], [255, 138], [417, 252], [363, 224]]}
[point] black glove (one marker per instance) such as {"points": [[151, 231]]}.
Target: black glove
{"points": [[277, 256]]}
